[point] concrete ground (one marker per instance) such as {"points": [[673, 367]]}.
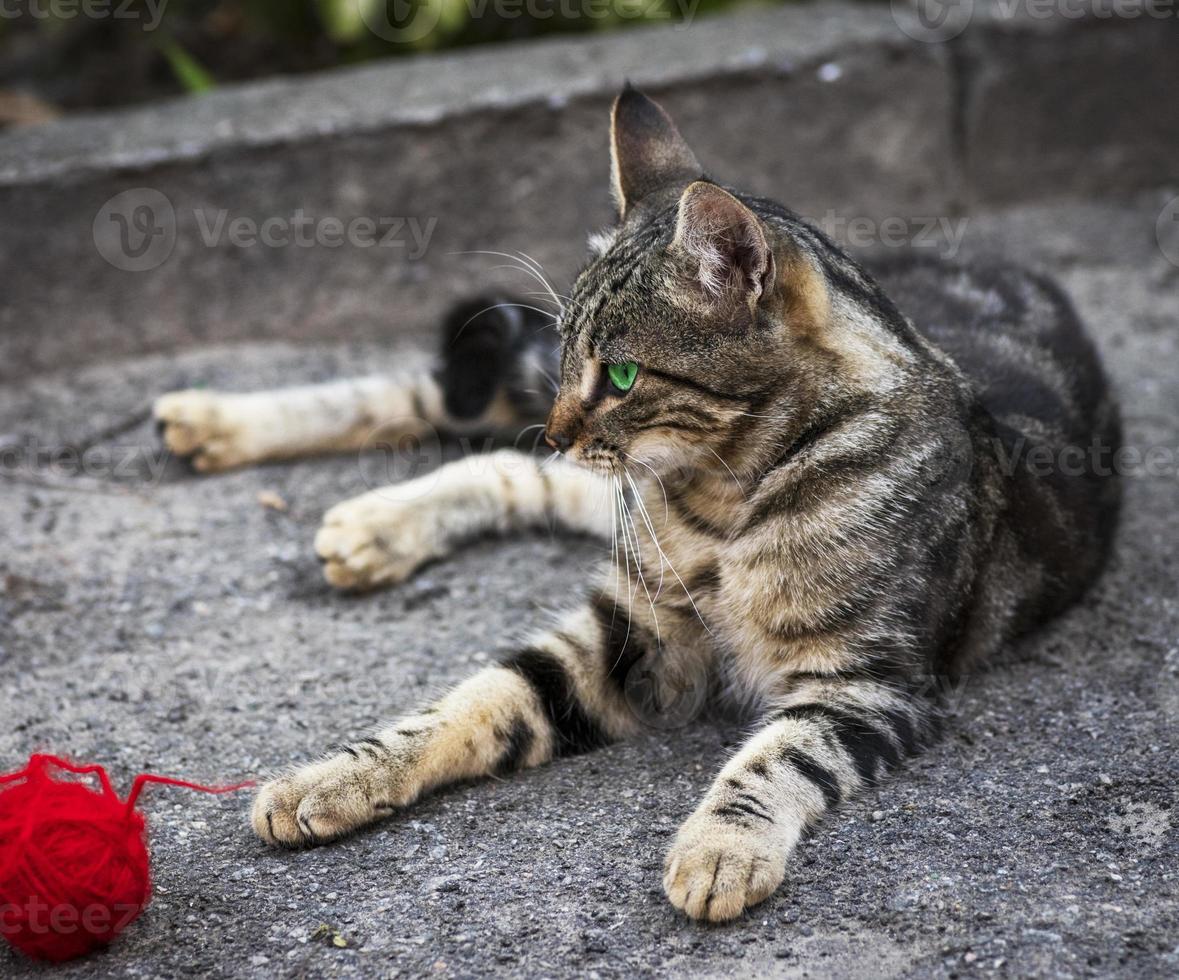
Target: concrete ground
{"points": [[175, 624]]}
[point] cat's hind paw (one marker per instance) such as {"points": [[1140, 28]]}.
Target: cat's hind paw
{"points": [[196, 426]]}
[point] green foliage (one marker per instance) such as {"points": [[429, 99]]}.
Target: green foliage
{"points": [[187, 69], [206, 40]]}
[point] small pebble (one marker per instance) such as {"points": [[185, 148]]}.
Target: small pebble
{"points": [[271, 500]]}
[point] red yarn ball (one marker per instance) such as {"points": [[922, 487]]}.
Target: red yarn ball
{"points": [[73, 865], [74, 868]]}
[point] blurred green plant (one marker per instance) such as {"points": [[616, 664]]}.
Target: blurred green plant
{"points": [[197, 43], [422, 24], [188, 71], [359, 30]]}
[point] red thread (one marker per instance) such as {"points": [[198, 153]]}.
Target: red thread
{"points": [[74, 869]]}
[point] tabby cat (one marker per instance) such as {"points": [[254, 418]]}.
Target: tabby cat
{"points": [[818, 490]]}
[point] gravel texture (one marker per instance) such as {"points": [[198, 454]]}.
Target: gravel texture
{"points": [[175, 624]]}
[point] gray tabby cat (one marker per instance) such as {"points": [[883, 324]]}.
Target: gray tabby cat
{"points": [[816, 501]]}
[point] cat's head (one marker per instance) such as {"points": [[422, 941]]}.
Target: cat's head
{"points": [[687, 321]]}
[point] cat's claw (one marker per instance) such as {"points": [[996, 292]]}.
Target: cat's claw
{"points": [[715, 871], [313, 805]]}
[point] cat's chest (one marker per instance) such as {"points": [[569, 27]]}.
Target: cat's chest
{"points": [[762, 595], [683, 540]]}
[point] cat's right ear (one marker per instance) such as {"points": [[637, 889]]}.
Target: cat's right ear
{"points": [[647, 152]]}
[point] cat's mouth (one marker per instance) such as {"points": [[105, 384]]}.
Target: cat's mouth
{"points": [[600, 460]]}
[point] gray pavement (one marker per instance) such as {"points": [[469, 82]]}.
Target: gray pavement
{"points": [[179, 626]]}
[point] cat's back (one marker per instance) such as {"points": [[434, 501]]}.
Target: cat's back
{"points": [[1016, 336], [1052, 414]]}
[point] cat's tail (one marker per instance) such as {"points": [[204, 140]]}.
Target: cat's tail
{"points": [[498, 364]]}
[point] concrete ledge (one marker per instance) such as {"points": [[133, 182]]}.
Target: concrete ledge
{"points": [[431, 89], [1087, 107], [829, 107]]}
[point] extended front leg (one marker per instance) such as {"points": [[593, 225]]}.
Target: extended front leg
{"points": [[383, 536], [561, 695], [827, 740]]}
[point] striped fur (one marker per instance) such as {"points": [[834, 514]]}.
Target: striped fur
{"points": [[826, 494]]}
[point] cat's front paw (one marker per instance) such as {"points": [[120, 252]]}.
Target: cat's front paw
{"points": [[198, 426], [715, 870], [372, 541], [316, 803]]}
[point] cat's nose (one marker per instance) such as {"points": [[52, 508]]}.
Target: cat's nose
{"points": [[559, 440]]}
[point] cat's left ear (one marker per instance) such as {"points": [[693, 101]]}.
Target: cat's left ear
{"points": [[647, 152], [724, 244]]}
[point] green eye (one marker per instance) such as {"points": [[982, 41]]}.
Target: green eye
{"points": [[622, 376]]}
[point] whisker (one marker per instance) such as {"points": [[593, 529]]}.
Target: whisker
{"points": [[525, 263], [500, 306], [517, 261], [626, 554], [620, 498], [639, 502], [755, 415], [561, 296], [740, 487], [627, 529], [639, 570], [526, 306], [544, 280], [557, 299], [547, 294], [549, 378], [663, 489], [663, 556]]}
